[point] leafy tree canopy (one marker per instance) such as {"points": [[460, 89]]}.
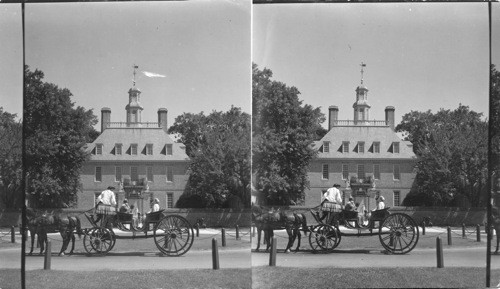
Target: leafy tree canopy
{"points": [[451, 146], [283, 130], [219, 148], [10, 161], [55, 134]]}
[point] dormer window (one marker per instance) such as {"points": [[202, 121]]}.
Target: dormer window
{"points": [[345, 147], [149, 149], [326, 146], [376, 147], [133, 149], [361, 147], [118, 149], [395, 147], [98, 149], [169, 149]]}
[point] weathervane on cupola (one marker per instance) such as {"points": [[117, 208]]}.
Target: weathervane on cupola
{"points": [[136, 67], [362, 71]]}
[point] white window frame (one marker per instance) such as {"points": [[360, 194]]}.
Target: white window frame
{"points": [[170, 200], [361, 147], [325, 169], [99, 149], [396, 196], [396, 172], [361, 171], [169, 149], [376, 147], [149, 173], [132, 175], [376, 171], [98, 176], [326, 146], [118, 176], [118, 149], [395, 147], [169, 174], [149, 149], [133, 149], [345, 173], [345, 147]]}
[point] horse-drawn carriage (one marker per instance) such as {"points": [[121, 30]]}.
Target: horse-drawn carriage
{"points": [[173, 234], [398, 233]]}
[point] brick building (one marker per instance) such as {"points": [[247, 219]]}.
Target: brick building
{"points": [[138, 158], [366, 157]]}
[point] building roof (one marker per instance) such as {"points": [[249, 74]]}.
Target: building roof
{"points": [[140, 136], [367, 134]]}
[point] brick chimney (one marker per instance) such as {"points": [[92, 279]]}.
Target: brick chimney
{"points": [[105, 118], [162, 119], [333, 115], [389, 116]]}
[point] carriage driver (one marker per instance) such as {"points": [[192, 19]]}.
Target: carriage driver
{"points": [[106, 203], [332, 201]]}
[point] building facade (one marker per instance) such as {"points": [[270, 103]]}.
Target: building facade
{"points": [[366, 157], [138, 158]]}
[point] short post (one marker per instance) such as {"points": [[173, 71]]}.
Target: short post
{"points": [[12, 235], [215, 254], [223, 237], [463, 231], [237, 232], [439, 253], [478, 233], [423, 228], [197, 230], [272, 255], [48, 254], [449, 235]]}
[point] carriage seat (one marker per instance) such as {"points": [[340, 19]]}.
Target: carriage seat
{"points": [[155, 217], [124, 217], [350, 215], [379, 215]]}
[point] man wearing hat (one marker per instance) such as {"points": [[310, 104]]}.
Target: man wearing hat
{"points": [[350, 206], [106, 203], [332, 201]]}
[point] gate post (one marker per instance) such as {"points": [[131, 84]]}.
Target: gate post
{"points": [[12, 235], [272, 255], [48, 255], [423, 228], [197, 230], [478, 233], [223, 237], [449, 235], [439, 253], [463, 231], [237, 232], [215, 254]]}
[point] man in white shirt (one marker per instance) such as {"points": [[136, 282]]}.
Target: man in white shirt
{"points": [[106, 203], [332, 201]]}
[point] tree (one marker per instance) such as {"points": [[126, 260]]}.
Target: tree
{"points": [[283, 131], [452, 155], [219, 148], [55, 134], [10, 160]]}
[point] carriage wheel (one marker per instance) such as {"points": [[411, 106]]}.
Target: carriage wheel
{"points": [[398, 233], [324, 238], [99, 240], [173, 235]]}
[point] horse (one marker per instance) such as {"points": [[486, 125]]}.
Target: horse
{"points": [[53, 222], [270, 220], [35, 227]]}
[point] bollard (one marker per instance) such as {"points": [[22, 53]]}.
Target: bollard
{"points": [[12, 235], [237, 232], [478, 233], [223, 237], [439, 253], [423, 228], [197, 230], [463, 231], [48, 254], [215, 254], [272, 255], [449, 235]]}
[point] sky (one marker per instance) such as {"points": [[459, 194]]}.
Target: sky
{"points": [[203, 48], [418, 56]]}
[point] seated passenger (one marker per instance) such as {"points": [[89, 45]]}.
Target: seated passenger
{"points": [[125, 207], [156, 208], [380, 203], [350, 206]]}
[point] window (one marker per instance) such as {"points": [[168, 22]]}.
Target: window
{"points": [[149, 149], [169, 149], [361, 171], [397, 174], [326, 146], [396, 198], [118, 149], [345, 146], [395, 147], [134, 174], [376, 171], [118, 174], [170, 174], [98, 149], [133, 149], [361, 147], [170, 200], [149, 173], [345, 171], [376, 147], [98, 174], [325, 172]]}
